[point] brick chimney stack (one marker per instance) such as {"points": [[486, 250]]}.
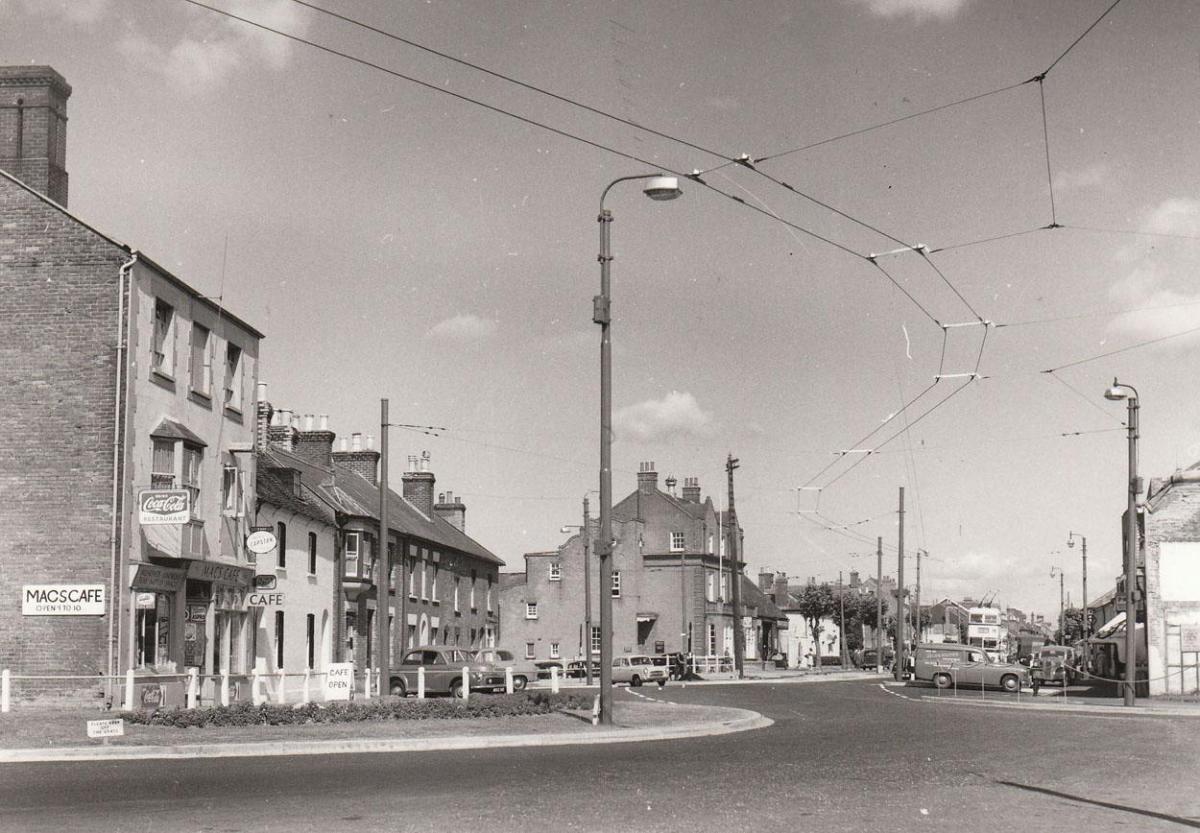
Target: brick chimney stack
{"points": [[766, 578], [262, 422], [315, 442], [779, 590], [33, 128], [647, 478], [361, 458], [452, 509], [280, 433], [418, 484], [691, 489]]}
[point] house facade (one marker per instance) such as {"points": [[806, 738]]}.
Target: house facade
{"points": [[127, 450]]}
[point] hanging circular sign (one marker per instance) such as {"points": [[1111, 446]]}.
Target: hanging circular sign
{"points": [[261, 542]]}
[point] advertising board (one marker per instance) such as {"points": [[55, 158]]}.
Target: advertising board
{"points": [[63, 600], [164, 506], [339, 681]]}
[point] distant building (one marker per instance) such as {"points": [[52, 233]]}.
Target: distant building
{"points": [[126, 455]]}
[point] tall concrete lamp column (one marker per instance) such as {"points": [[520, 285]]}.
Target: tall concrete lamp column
{"points": [[1129, 393], [658, 187]]}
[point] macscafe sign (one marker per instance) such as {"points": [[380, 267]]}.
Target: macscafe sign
{"points": [[164, 506], [63, 600]]}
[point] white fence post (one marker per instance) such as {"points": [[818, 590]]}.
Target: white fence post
{"points": [[554, 679], [508, 680], [193, 687], [466, 683], [421, 683], [5, 690], [255, 697], [304, 696], [225, 687], [129, 690], [367, 683], [281, 696]]}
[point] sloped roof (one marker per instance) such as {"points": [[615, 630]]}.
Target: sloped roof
{"points": [[752, 596], [628, 507], [274, 486], [169, 429], [352, 494]]}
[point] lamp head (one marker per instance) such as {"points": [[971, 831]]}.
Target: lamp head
{"points": [[1116, 393], [662, 188]]}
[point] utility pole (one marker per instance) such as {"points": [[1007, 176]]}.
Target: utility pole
{"points": [[383, 600], [841, 623], [735, 570], [879, 605], [917, 603], [900, 606], [587, 588]]}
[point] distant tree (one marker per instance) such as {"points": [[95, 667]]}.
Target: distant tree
{"points": [[1073, 621], [816, 602], [860, 612]]}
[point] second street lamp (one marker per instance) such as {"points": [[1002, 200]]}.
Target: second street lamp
{"points": [[1129, 393], [658, 187]]}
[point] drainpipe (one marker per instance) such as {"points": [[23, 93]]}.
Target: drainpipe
{"points": [[114, 593]]}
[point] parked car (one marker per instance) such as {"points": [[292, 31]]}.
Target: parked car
{"points": [[950, 665], [524, 670], [577, 669], [543, 668], [1053, 664], [443, 666], [638, 669]]}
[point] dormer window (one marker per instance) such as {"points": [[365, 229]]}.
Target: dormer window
{"points": [[555, 571]]}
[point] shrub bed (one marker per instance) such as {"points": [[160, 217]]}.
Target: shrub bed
{"points": [[391, 708]]}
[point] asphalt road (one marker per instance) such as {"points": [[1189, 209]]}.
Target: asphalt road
{"points": [[843, 756]]}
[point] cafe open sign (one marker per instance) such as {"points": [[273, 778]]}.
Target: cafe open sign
{"points": [[164, 506]]}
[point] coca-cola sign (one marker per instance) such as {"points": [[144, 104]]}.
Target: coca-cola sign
{"points": [[164, 506]]}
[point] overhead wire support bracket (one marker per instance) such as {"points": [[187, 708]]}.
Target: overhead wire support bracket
{"points": [[919, 247], [982, 322], [956, 376]]}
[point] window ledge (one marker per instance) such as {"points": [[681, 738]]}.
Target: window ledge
{"points": [[200, 398]]}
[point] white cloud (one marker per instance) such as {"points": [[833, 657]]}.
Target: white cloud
{"points": [[463, 328], [1161, 281], [919, 9], [72, 11], [675, 415], [203, 58]]}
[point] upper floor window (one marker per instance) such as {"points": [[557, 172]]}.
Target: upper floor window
{"points": [[710, 542], [710, 587], [531, 611], [232, 485], [312, 553], [555, 651], [201, 361], [433, 594], [676, 542], [281, 538], [457, 582], [192, 458], [616, 584], [412, 577], [489, 594], [529, 651], [350, 553], [162, 467], [474, 578], [163, 343], [233, 376], [555, 571]]}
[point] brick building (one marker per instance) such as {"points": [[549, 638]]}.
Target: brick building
{"points": [[119, 379], [670, 590], [324, 502]]}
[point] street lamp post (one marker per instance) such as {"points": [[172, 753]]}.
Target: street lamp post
{"points": [[658, 187], [1071, 536], [1062, 615], [586, 536], [1129, 393]]}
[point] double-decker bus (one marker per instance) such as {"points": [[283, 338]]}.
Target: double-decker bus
{"points": [[987, 629]]}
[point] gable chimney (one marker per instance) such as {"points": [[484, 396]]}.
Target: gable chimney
{"points": [[33, 128], [691, 489], [315, 442], [647, 478], [360, 458], [280, 433], [418, 484], [453, 510]]}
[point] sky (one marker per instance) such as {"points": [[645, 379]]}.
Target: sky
{"points": [[393, 238]]}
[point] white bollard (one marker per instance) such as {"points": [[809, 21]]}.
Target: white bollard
{"points": [[5, 690], [304, 697], [466, 680], [508, 680], [421, 683], [367, 683], [281, 695], [193, 687], [596, 710], [225, 687], [554, 679], [129, 690], [255, 696]]}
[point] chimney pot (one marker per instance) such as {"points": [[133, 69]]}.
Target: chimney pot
{"points": [[370, 441], [324, 422], [261, 391], [308, 422], [356, 441]]}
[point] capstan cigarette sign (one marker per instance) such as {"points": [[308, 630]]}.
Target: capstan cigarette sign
{"points": [[63, 600], [163, 506]]}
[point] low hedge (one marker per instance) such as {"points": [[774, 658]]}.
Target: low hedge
{"points": [[390, 708]]}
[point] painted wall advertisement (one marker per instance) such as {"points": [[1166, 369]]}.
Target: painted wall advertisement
{"points": [[63, 599], [164, 506]]}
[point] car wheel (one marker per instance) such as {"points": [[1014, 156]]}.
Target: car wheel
{"points": [[1010, 683], [662, 683], [943, 681], [519, 683], [398, 689], [635, 681], [456, 689]]}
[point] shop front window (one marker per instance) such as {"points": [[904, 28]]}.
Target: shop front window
{"points": [[153, 629]]}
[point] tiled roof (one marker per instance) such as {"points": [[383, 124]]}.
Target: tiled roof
{"points": [[753, 597]]}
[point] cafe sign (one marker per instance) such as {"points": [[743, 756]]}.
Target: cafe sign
{"points": [[63, 600], [164, 506]]}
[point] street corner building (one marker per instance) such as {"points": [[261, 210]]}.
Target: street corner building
{"points": [[320, 590], [126, 455], [670, 588]]}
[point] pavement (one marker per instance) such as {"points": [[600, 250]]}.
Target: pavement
{"points": [[30, 734]]}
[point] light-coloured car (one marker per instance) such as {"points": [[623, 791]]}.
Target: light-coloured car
{"points": [[443, 666], [638, 669], [523, 670], [951, 665]]}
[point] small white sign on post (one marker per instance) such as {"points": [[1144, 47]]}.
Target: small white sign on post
{"points": [[108, 728], [339, 681]]}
